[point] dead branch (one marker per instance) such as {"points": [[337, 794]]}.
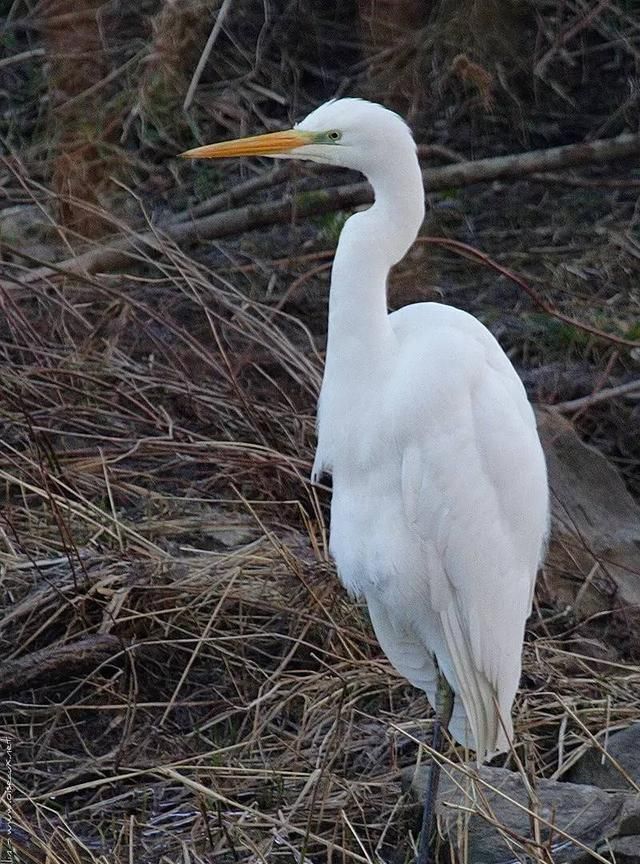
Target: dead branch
{"points": [[512, 167], [516, 166], [232, 196], [585, 182], [593, 398], [474, 254], [59, 661]]}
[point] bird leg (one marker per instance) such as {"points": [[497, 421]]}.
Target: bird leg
{"points": [[444, 709]]}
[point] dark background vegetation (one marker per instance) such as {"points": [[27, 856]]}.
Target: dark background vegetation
{"points": [[182, 677]]}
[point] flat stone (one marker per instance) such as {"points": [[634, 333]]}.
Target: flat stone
{"points": [[625, 850], [597, 770], [594, 519], [470, 810]]}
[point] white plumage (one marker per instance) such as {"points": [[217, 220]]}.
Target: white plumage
{"points": [[440, 504]]}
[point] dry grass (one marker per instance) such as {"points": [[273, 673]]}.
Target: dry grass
{"points": [[183, 678], [207, 685]]}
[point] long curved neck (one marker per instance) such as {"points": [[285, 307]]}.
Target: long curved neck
{"points": [[371, 242]]}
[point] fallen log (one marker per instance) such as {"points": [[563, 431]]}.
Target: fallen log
{"points": [[182, 228], [57, 662]]}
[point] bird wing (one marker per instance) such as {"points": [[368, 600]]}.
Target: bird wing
{"points": [[474, 491], [405, 650]]}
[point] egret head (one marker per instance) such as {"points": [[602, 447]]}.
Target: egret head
{"points": [[351, 133]]}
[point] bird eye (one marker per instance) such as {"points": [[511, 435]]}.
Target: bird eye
{"points": [[334, 135]]}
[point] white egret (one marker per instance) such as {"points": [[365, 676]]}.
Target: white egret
{"points": [[440, 503]]}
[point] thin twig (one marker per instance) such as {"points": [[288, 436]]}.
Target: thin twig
{"points": [[475, 254], [204, 57], [23, 55]]}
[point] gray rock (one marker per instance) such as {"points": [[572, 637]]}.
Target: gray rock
{"points": [[597, 770], [494, 827], [594, 520], [624, 850]]}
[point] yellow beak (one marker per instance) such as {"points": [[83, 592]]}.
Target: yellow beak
{"points": [[270, 144]]}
